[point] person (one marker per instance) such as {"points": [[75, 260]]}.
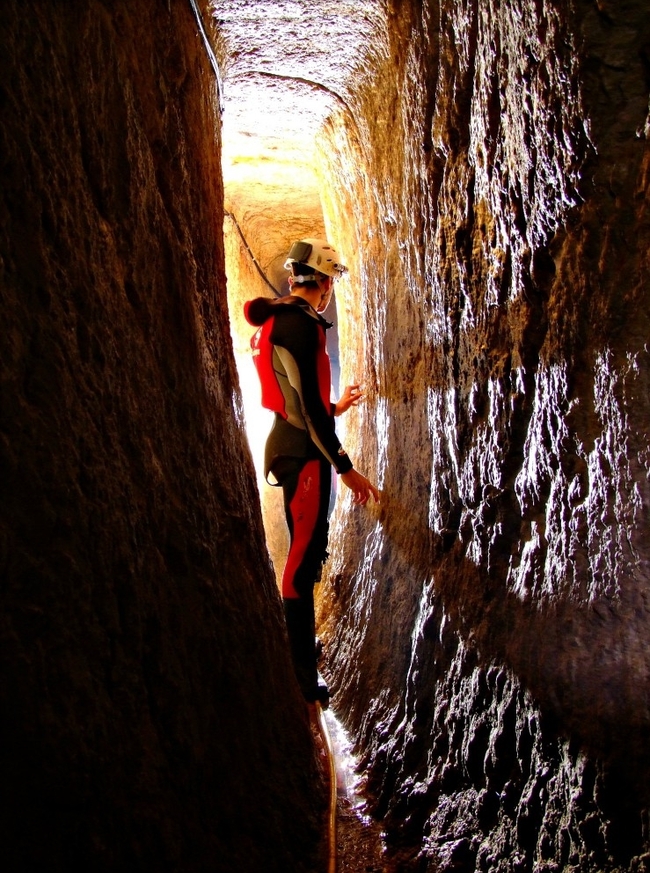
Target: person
{"points": [[290, 355]]}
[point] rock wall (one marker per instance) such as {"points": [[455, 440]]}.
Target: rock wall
{"points": [[487, 628], [150, 720]]}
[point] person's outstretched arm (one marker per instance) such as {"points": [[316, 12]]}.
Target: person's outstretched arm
{"points": [[361, 487]]}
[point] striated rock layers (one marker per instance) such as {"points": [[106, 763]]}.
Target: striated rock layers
{"points": [[149, 720], [488, 627]]}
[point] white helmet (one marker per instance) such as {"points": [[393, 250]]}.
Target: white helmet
{"points": [[317, 254]]}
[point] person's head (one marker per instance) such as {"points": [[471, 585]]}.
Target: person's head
{"points": [[314, 266]]}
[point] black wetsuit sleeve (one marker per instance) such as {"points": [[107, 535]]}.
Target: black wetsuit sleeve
{"points": [[296, 337]]}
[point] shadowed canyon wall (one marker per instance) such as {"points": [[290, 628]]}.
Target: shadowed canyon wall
{"points": [[487, 629], [149, 716]]}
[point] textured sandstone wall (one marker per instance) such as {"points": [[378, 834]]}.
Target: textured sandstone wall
{"points": [[149, 721], [487, 629]]}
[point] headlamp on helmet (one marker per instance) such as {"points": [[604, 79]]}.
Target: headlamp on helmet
{"points": [[317, 254]]}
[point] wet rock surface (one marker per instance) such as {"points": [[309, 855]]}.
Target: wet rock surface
{"points": [[487, 628], [485, 176]]}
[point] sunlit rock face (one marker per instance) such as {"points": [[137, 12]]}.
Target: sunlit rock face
{"points": [[488, 627], [150, 721], [484, 170]]}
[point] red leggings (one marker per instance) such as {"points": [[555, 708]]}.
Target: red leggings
{"points": [[307, 486]]}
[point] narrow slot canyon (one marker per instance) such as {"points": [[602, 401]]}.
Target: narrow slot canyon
{"points": [[483, 168]]}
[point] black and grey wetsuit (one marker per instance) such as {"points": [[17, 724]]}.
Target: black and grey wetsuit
{"points": [[291, 358]]}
